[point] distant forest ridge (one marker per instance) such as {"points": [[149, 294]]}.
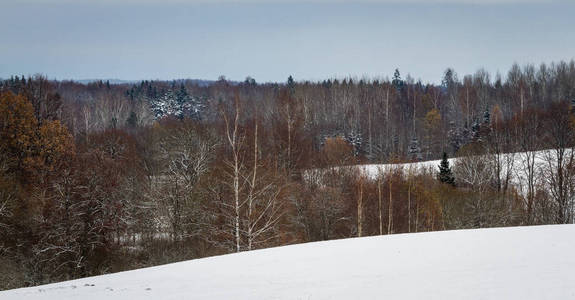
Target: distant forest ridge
{"points": [[398, 118]]}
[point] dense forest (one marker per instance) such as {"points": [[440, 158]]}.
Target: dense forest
{"points": [[99, 177]]}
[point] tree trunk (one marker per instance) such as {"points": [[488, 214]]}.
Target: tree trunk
{"points": [[359, 208]]}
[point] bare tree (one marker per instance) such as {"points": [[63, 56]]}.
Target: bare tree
{"points": [[380, 179], [560, 160], [264, 208], [188, 151], [390, 204], [235, 141], [477, 173], [529, 127], [360, 184]]}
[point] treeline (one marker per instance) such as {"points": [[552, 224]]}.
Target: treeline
{"points": [[100, 178]]}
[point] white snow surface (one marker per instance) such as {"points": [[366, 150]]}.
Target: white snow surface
{"points": [[500, 263], [517, 162], [542, 158]]}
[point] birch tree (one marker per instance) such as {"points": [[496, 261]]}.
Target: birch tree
{"points": [[264, 206], [235, 164]]}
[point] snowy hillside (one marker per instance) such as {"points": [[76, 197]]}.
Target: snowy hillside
{"points": [[502, 263]]}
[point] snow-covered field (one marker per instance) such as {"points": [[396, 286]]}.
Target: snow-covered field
{"points": [[500, 263], [518, 161], [543, 162]]}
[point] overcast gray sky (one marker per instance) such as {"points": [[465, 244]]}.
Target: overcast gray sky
{"points": [[269, 40]]}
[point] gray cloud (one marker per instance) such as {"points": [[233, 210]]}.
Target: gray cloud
{"points": [[270, 42]]}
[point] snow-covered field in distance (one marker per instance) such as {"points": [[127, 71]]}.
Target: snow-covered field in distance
{"points": [[500, 263], [518, 159], [517, 163]]}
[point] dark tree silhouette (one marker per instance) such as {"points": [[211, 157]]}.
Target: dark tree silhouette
{"points": [[445, 175]]}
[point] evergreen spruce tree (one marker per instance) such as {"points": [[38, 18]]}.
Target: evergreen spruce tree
{"points": [[445, 173], [414, 151], [354, 138], [291, 85], [485, 130], [449, 79], [397, 82], [132, 120], [475, 130], [455, 137], [486, 117]]}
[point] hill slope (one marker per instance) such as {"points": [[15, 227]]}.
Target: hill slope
{"points": [[501, 263]]}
